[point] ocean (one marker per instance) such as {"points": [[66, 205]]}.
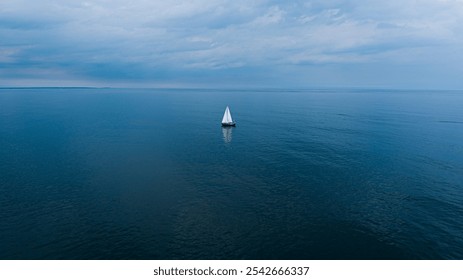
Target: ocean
{"points": [[88, 173]]}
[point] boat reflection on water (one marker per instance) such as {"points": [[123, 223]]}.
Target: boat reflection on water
{"points": [[227, 133]]}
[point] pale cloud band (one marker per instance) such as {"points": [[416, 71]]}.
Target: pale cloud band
{"points": [[221, 43]]}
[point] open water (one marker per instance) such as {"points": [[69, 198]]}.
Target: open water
{"points": [[306, 174]]}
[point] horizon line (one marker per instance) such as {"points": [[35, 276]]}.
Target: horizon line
{"points": [[228, 88]]}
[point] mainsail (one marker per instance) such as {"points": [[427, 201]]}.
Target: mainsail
{"points": [[227, 117]]}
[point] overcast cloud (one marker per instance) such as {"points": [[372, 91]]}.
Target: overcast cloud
{"points": [[395, 44]]}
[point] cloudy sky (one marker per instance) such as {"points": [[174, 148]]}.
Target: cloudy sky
{"points": [[232, 43]]}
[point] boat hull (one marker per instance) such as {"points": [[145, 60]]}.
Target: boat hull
{"points": [[229, 124]]}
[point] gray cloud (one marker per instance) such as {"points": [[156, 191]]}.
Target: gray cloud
{"points": [[199, 42]]}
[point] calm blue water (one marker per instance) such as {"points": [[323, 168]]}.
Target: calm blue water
{"points": [[150, 174]]}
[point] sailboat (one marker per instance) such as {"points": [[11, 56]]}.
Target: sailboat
{"points": [[227, 119]]}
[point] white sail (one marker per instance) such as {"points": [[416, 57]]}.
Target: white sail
{"points": [[227, 116]]}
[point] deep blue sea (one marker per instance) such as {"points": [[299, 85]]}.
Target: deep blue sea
{"points": [[306, 174]]}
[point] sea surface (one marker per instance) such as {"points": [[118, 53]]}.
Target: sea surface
{"points": [[306, 174]]}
